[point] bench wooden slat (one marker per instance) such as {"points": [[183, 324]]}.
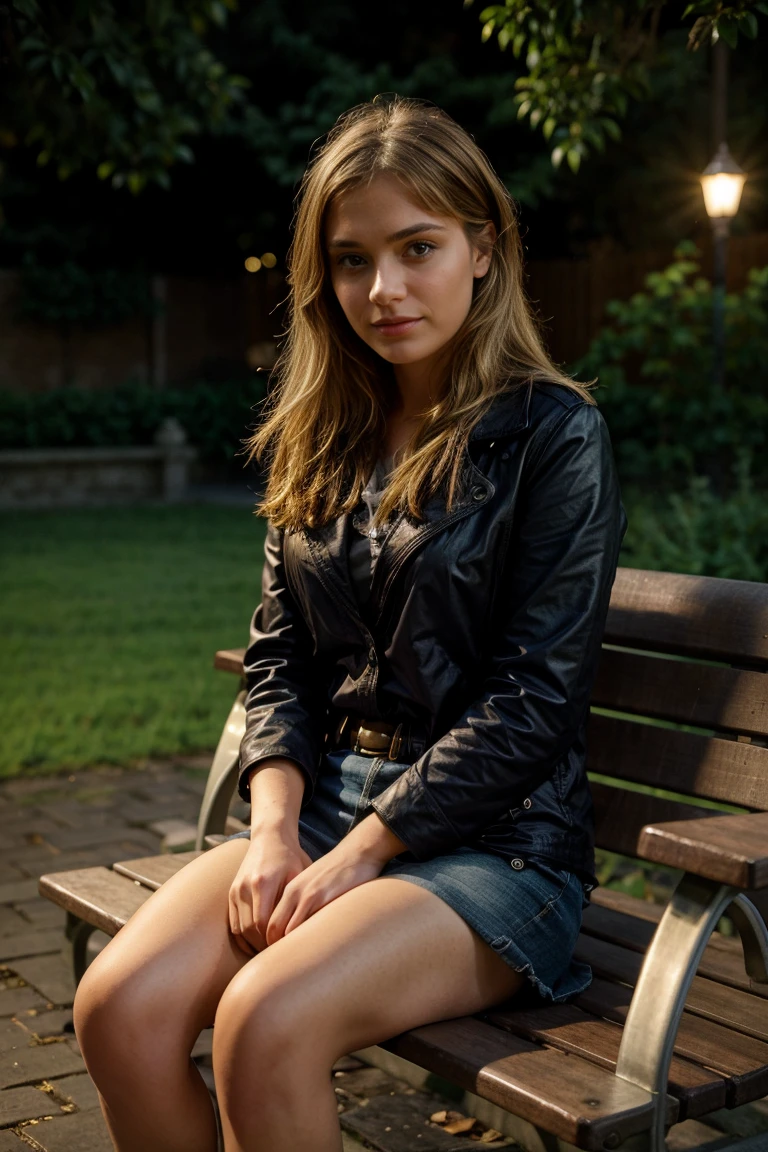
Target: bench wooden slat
{"points": [[740, 1059], [709, 767], [570, 1097], [703, 616], [723, 959], [732, 1007], [229, 660], [704, 695], [570, 1029], [152, 871], [97, 895], [727, 849], [621, 815]]}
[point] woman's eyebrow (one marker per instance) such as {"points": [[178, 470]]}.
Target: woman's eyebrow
{"points": [[403, 234]]}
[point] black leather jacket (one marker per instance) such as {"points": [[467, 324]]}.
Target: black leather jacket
{"points": [[486, 627]]}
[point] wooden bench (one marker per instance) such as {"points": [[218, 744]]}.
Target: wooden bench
{"points": [[675, 1024]]}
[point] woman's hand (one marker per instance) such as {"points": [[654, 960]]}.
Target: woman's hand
{"points": [[274, 858], [359, 857]]}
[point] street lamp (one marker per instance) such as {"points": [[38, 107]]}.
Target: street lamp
{"points": [[721, 181]]}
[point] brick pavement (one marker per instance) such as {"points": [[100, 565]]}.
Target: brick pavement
{"points": [[47, 1100]]}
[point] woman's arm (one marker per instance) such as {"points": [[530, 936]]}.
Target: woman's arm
{"points": [[285, 705], [546, 642]]}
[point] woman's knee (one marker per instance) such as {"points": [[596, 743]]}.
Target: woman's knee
{"points": [[267, 1017]]}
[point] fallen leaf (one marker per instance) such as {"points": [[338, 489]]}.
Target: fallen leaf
{"points": [[439, 1117], [456, 1126], [490, 1135]]}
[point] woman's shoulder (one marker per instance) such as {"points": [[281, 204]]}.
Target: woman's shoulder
{"points": [[533, 405]]}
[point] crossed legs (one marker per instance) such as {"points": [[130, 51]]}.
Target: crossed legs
{"points": [[385, 957]]}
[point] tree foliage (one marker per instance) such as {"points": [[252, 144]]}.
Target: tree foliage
{"points": [[586, 59], [117, 90]]}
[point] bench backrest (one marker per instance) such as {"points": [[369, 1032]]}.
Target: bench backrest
{"points": [[680, 702]]}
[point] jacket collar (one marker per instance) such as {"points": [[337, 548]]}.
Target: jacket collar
{"points": [[508, 413]]}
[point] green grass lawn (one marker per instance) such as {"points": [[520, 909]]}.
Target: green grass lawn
{"points": [[109, 621]]}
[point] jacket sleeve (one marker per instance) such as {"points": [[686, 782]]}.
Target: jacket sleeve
{"points": [[285, 704], [545, 644]]}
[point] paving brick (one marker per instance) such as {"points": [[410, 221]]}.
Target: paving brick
{"points": [[10, 1142], [79, 1090], [54, 1022], [13, 1037], [14, 1000], [401, 1124], [80, 1132], [105, 854], [18, 1104], [51, 975], [11, 921], [33, 942], [107, 835], [42, 913], [12, 891], [40, 1062]]}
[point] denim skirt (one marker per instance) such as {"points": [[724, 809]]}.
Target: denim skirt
{"points": [[529, 915]]}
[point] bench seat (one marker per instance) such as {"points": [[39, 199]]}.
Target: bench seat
{"points": [[551, 1065]]}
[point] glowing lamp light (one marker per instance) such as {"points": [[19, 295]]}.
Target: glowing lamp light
{"points": [[269, 259], [722, 182], [253, 264]]}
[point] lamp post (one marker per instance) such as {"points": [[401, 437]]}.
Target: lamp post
{"points": [[721, 181]]}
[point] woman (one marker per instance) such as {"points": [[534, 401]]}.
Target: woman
{"points": [[443, 530]]}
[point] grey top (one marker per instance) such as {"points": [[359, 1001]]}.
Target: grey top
{"points": [[364, 542]]}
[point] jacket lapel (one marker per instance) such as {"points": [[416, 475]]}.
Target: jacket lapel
{"points": [[328, 544]]}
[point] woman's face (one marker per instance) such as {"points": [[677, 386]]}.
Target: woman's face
{"points": [[402, 275]]}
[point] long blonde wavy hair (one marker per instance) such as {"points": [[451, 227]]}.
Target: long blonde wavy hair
{"points": [[326, 414]]}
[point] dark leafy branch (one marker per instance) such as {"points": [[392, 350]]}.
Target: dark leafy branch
{"points": [[586, 59]]}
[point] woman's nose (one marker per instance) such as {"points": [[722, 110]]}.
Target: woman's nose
{"points": [[387, 285]]}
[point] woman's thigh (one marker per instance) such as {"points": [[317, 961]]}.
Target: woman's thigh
{"points": [[380, 959], [176, 954]]}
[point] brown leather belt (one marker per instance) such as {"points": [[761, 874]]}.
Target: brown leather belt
{"points": [[376, 738]]}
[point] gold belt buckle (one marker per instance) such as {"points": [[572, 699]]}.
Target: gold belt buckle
{"points": [[369, 742]]}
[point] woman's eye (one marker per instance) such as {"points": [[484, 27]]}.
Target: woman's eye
{"points": [[421, 248], [350, 260]]}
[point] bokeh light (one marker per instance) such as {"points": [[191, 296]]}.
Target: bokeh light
{"points": [[252, 264]]}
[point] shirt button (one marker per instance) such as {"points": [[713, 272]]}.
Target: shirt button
{"points": [[527, 803], [505, 455], [479, 492], [517, 864]]}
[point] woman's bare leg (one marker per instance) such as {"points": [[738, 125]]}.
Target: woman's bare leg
{"points": [[380, 959], [146, 997]]}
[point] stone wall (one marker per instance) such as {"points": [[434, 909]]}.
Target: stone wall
{"points": [[81, 477]]}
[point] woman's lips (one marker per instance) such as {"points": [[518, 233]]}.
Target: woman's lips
{"points": [[397, 327]]}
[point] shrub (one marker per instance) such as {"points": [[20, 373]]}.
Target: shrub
{"points": [[216, 417], [668, 420], [696, 531]]}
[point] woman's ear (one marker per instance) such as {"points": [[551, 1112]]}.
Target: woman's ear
{"points": [[484, 250]]}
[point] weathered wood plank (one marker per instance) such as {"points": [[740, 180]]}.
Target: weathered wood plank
{"points": [[740, 1059], [621, 815], [229, 660], [630, 923], [570, 1029], [702, 616], [706, 766], [152, 871], [732, 1007], [97, 895], [570, 1097], [727, 849], [704, 695]]}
